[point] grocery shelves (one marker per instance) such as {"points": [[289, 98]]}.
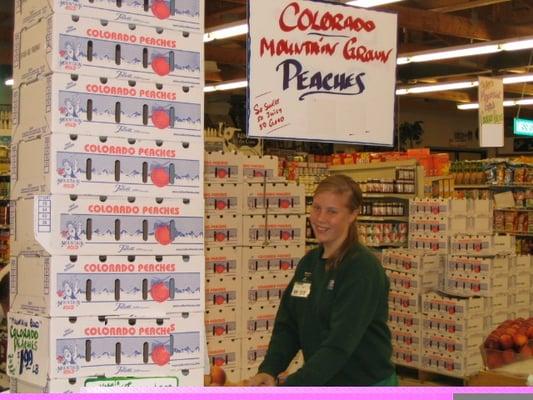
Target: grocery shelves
{"points": [[490, 186], [382, 218], [405, 196], [473, 186], [525, 234]]}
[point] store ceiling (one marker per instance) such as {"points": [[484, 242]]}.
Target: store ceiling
{"points": [[423, 25]]}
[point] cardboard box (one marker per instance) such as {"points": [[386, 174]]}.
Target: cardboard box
{"points": [[223, 261], [259, 168], [222, 323], [223, 198], [253, 351], [416, 284], [412, 261], [222, 292], [475, 285], [107, 107], [430, 207], [188, 16], [42, 348], [405, 301], [88, 225], [223, 167], [477, 265], [429, 224], [449, 365], [446, 325], [481, 245], [71, 164], [85, 46], [259, 230], [437, 303], [273, 198], [405, 320], [223, 230], [264, 290], [406, 357], [452, 345], [95, 384], [62, 286], [225, 353], [437, 244], [265, 261], [405, 338], [259, 319], [520, 300]]}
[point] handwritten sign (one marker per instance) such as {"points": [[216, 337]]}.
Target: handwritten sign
{"points": [[321, 72], [490, 92]]}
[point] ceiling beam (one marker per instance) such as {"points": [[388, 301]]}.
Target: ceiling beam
{"points": [[221, 17], [466, 5], [454, 25], [225, 55], [455, 96]]}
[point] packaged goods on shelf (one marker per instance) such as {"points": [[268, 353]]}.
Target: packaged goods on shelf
{"points": [[223, 230], [88, 225], [383, 234], [258, 319], [404, 301], [264, 290], [179, 15], [72, 164], [411, 261], [437, 303], [178, 378], [223, 198], [222, 292], [254, 349], [267, 261], [407, 282], [222, 323], [41, 348], [107, 107], [260, 168], [513, 221], [277, 229], [222, 261], [405, 319], [273, 198], [87, 46], [225, 353], [223, 167], [63, 286]]}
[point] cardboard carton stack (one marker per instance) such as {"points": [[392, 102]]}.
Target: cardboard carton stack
{"points": [[107, 268], [255, 237]]}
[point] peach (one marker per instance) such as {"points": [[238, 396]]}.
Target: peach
{"points": [[218, 376], [506, 341], [508, 356], [494, 359], [529, 332], [526, 352], [519, 340]]}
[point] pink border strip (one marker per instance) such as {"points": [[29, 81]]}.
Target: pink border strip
{"points": [[245, 393]]}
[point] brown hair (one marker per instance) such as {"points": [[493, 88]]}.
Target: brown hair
{"points": [[343, 185]]}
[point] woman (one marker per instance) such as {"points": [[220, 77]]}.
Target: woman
{"points": [[335, 308]]}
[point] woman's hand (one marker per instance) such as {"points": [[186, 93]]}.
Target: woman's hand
{"points": [[262, 379]]}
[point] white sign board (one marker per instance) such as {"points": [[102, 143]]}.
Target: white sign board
{"points": [[490, 93], [321, 72]]}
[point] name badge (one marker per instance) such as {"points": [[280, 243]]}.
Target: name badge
{"points": [[301, 289]]}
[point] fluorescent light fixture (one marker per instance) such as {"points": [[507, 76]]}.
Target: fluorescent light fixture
{"points": [[226, 32], [517, 45], [226, 86], [370, 3], [9, 82], [506, 103], [522, 78], [436, 88]]}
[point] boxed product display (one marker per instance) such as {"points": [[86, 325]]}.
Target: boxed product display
{"points": [[223, 230], [185, 15], [264, 290], [223, 198], [482, 245], [222, 292], [273, 198], [438, 244], [258, 319], [406, 338], [402, 281], [475, 284], [477, 265], [448, 325], [259, 230], [222, 323], [450, 365], [266, 261], [452, 345], [405, 319], [259, 168], [72, 164], [107, 107], [41, 348], [88, 225], [406, 357], [91, 46], [223, 167], [222, 261], [225, 353], [254, 349], [178, 378], [437, 303], [411, 261], [405, 301], [63, 286]]}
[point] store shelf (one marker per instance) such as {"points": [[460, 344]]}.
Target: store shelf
{"points": [[374, 165], [406, 196], [382, 218], [478, 186], [490, 186]]}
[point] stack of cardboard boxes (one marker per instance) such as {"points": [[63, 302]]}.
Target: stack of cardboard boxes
{"points": [[107, 269], [255, 237]]}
